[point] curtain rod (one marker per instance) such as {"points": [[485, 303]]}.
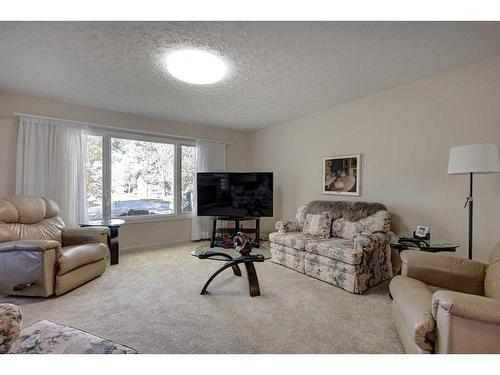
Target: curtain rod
{"points": [[123, 130]]}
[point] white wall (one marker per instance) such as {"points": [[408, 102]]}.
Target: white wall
{"points": [[131, 235], [404, 135]]}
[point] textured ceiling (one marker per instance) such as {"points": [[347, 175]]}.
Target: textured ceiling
{"points": [[278, 70]]}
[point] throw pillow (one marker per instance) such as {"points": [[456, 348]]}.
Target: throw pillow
{"points": [[300, 216], [287, 226], [318, 225], [345, 229], [378, 222]]}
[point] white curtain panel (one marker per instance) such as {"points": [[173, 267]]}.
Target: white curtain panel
{"points": [[210, 157], [51, 156]]}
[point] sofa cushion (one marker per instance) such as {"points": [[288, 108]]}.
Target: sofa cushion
{"points": [[300, 216], [286, 226], [378, 222], [286, 256], [46, 337], [332, 264], [30, 218], [318, 225], [10, 325], [332, 272], [71, 257], [295, 240], [447, 272], [492, 279], [352, 211], [24, 209], [335, 248], [414, 302], [345, 229]]}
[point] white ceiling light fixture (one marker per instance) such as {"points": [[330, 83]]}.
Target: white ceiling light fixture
{"points": [[196, 66]]}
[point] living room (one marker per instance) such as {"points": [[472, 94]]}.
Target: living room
{"points": [[338, 168]]}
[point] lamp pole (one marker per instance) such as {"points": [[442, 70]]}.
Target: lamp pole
{"points": [[471, 216], [470, 159]]}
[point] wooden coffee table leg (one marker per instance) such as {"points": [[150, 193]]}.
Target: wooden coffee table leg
{"points": [[236, 270], [231, 264], [253, 281]]}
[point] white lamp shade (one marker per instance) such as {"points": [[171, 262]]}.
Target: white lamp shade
{"points": [[474, 159]]}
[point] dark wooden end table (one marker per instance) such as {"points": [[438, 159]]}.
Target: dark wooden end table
{"points": [[113, 225]]}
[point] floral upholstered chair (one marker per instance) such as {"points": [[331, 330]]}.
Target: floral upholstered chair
{"points": [[46, 337], [343, 243]]}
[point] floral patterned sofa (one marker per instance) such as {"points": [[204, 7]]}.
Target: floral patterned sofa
{"points": [[46, 337], [352, 248]]}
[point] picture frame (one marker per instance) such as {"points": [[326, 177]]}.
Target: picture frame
{"points": [[422, 231], [342, 175]]}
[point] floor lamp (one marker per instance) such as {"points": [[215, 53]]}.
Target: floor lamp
{"points": [[472, 159]]}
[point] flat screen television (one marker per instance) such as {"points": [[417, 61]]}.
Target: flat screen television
{"points": [[231, 194]]}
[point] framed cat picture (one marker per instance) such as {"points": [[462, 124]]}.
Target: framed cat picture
{"points": [[341, 175]]}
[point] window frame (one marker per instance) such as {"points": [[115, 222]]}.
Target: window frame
{"points": [[107, 135], [184, 143]]}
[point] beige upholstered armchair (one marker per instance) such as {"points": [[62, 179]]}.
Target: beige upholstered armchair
{"points": [[38, 256], [445, 304]]}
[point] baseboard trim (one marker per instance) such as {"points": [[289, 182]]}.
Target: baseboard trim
{"points": [[160, 245], [153, 246]]}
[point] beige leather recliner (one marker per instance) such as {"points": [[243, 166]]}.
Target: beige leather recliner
{"points": [[445, 304], [38, 256]]}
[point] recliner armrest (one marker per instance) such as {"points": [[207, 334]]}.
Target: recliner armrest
{"points": [[466, 323], [444, 271], [29, 245], [76, 236], [467, 306]]}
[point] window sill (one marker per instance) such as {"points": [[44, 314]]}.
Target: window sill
{"points": [[152, 219]]}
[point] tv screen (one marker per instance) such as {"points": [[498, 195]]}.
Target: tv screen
{"points": [[235, 194]]}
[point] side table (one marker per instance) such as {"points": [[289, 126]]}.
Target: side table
{"points": [[113, 225], [432, 245]]}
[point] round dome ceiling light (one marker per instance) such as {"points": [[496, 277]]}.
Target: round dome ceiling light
{"points": [[195, 66]]}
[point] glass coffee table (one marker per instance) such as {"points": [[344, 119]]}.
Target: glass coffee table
{"points": [[232, 258]]}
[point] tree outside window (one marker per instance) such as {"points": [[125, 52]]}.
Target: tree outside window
{"points": [[142, 181]]}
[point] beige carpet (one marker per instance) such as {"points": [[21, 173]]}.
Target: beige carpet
{"points": [[151, 302]]}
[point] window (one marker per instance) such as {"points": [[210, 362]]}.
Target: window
{"points": [[138, 176], [142, 178], [94, 177], [187, 177]]}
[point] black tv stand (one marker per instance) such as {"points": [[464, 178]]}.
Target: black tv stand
{"points": [[236, 221]]}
